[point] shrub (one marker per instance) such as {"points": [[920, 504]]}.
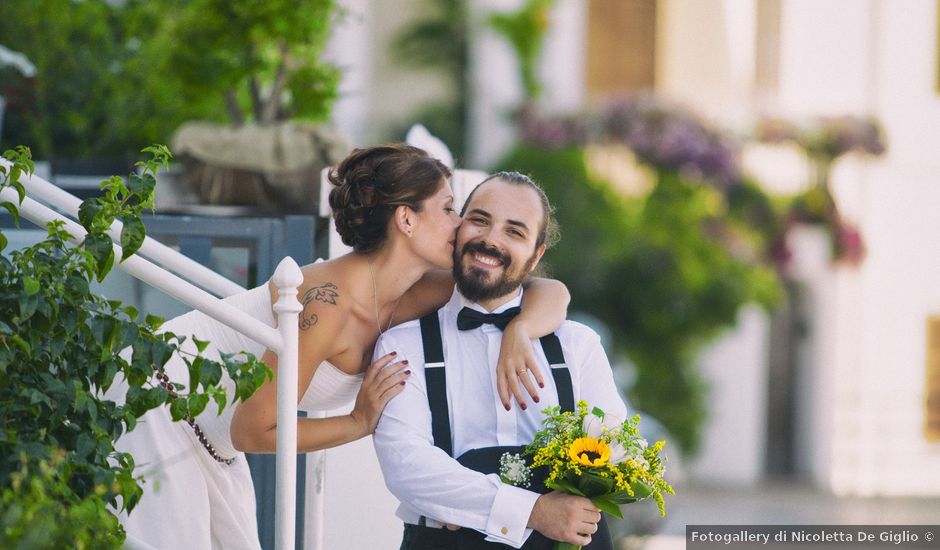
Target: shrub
{"points": [[59, 351]]}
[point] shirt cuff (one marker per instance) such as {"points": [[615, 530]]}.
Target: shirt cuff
{"points": [[510, 515]]}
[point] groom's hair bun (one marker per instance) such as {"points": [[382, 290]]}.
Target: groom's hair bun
{"points": [[371, 183]]}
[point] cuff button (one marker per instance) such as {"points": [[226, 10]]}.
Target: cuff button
{"points": [[504, 530]]}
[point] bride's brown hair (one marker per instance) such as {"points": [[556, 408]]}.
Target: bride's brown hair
{"points": [[370, 183]]}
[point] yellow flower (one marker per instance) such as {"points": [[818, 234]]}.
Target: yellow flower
{"points": [[588, 451]]}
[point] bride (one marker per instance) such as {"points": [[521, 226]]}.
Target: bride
{"points": [[393, 206]]}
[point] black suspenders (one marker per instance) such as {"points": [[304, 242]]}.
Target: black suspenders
{"points": [[437, 382], [560, 373]]}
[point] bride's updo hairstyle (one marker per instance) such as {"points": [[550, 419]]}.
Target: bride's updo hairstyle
{"points": [[370, 183]]}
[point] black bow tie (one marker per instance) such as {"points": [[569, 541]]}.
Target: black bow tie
{"points": [[470, 318]]}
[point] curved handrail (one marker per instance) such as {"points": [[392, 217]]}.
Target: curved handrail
{"points": [[67, 203]]}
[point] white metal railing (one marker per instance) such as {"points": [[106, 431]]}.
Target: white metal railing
{"points": [[151, 248], [283, 340]]}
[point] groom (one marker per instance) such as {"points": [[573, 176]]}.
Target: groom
{"points": [[440, 440]]}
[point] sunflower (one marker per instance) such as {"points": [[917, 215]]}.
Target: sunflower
{"points": [[588, 451]]}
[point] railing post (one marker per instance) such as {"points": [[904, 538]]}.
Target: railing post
{"points": [[286, 278]]}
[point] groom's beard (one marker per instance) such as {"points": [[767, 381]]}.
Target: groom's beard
{"points": [[479, 285]]}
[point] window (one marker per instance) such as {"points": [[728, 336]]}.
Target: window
{"points": [[932, 426], [621, 48]]}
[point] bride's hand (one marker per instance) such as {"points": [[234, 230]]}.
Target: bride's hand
{"points": [[383, 380], [516, 361]]}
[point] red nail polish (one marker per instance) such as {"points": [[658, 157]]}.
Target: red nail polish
{"points": [[507, 407], [541, 384], [536, 399], [407, 372], [402, 383], [394, 353], [405, 362], [523, 406]]}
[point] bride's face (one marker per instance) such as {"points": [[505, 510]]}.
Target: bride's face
{"points": [[436, 228]]}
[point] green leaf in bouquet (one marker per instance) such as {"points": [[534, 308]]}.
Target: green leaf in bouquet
{"points": [[598, 412], [606, 504], [622, 497], [593, 485], [564, 486], [641, 490]]}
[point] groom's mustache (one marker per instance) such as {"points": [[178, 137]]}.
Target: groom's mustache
{"points": [[471, 247]]}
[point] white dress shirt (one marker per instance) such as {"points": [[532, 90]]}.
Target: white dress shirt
{"points": [[423, 477]]}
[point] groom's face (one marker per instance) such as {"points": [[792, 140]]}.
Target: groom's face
{"points": [[496, 243]]}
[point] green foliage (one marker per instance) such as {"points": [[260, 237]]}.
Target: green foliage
{"points": [[78, 49], [525, 29], [61, 350], [658, 270], [103, 85], [440, 42], [40, 510], [112, 75], [263, 55]]}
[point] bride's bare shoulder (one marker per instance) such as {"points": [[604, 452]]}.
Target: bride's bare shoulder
{"points": [[321, 295]]}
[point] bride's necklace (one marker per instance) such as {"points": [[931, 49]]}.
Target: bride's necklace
{"points": [[375, 302]]}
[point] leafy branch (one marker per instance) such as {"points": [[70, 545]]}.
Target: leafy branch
{"points": [[77, 370]]}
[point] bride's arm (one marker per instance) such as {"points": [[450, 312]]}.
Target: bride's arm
{"points": [[254, 423], [255, 430], [544, 308]]}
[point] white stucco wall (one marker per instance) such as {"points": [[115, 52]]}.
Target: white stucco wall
{"points": [[870, 57], [734, 436], [861, 388]]}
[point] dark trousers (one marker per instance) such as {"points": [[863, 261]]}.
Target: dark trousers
{"points": [[429, 538], [486, 460]]}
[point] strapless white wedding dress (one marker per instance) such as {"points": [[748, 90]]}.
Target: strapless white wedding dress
{"points": [[191, 499]]}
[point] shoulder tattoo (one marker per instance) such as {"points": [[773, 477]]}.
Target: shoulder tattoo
{"points": [[326, 293]]}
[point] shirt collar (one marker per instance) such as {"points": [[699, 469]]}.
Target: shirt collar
{"points": [[458, 302]]}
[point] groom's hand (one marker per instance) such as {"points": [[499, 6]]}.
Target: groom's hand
{"points": [[566, 518]]}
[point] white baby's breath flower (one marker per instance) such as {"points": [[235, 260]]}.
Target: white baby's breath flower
{"points": [[513, 470]]}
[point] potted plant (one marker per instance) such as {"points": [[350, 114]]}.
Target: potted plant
{"points": [[262, 60]]}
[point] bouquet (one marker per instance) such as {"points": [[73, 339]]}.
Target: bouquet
{"points": [[594, 455]]}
